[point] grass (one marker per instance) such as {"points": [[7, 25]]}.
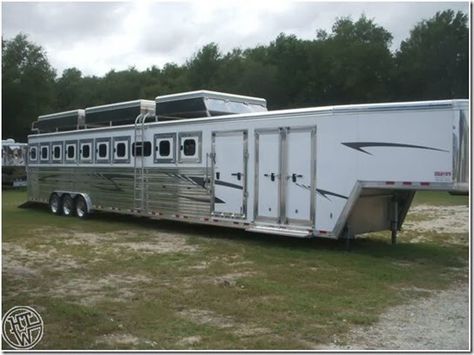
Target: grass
{"points": [[204, 287], [436, 198]]}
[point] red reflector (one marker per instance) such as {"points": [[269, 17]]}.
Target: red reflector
{"points": [[322, 232], [424, 183], [389, 182], [406, 183]]}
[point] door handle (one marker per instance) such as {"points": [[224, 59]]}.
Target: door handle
{"points": [[218, 175], [271, 175], [239, 175], [295, 176]]}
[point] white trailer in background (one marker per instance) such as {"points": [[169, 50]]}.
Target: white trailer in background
{"points": [[13, 163], [221, 159]]}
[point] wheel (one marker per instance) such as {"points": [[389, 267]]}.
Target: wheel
{"points": [[81, 207], [55, 204], [68, 205]]}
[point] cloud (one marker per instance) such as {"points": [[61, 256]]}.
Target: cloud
{"points": [[98, 37]]}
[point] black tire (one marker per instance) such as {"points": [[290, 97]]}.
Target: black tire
{"points": [[68, 205], [55, 205], [81, 207]]}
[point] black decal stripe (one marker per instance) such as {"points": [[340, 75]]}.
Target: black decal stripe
{"points": [[203, 199], [197, 180], [324, 193], [110, 178], [303, 186], [228, 184], [359, 145]]}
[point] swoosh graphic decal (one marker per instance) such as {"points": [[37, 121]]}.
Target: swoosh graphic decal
{"points": [[228, 184], [324, 193], [360, 145]]}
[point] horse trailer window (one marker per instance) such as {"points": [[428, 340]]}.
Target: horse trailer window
{"points": [[85, 150], [139, 152], [71, 152], [102, 146], [190, 147], [103, 150], [165, 148], [121, 146], [57, 152], [45, 154], [33, 153], [121, 150]]}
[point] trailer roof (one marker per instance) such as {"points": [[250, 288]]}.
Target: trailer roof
{"points": [[207, 94], [72, 113], [145, 104], [389, 106]]}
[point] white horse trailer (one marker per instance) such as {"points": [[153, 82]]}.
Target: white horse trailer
{"points": [[221, 159], [13, 163]]}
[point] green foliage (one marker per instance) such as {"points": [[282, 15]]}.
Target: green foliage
{"points": [[351, 64], [433, 62], [27, 86]]}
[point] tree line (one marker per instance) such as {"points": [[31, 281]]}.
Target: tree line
{"points": [[352, 63]]}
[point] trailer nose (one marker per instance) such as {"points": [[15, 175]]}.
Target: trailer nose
{"points": [[461, 152]]}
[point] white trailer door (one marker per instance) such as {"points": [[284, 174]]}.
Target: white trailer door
{"points": [[299, 196], [267, 184], [229, 173]]}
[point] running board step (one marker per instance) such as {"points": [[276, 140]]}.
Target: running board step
{"points": [[280, 231]]}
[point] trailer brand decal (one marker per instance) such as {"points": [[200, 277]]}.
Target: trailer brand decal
{"points": [[442, 173], [442, 176], [324, 193], [359, 145]]}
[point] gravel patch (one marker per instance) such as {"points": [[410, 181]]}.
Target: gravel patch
{"points": [[437, 322], [444, 219]]}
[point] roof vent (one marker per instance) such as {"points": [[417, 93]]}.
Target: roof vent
{"points": [[203, 103], [120, 113]]}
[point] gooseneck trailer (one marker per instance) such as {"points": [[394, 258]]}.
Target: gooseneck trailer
{"points": [[222, 159]]}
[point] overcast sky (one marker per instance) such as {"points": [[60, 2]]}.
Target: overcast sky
{"points": [[97, 37]]}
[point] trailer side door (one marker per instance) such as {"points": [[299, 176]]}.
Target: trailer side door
{"points": [[300, 162], [229, 174]]}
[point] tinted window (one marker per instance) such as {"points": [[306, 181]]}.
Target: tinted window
{"points": [[44, 153], [103, 150], [137, 149], [57, 152], [120, 150], [32, 153], [165, 148], [86, 151], [70, 152], [189, 147]]}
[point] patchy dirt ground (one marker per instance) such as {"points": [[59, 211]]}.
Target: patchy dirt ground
{"points": [[425, 218], [167, 288], [437, 321]]}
